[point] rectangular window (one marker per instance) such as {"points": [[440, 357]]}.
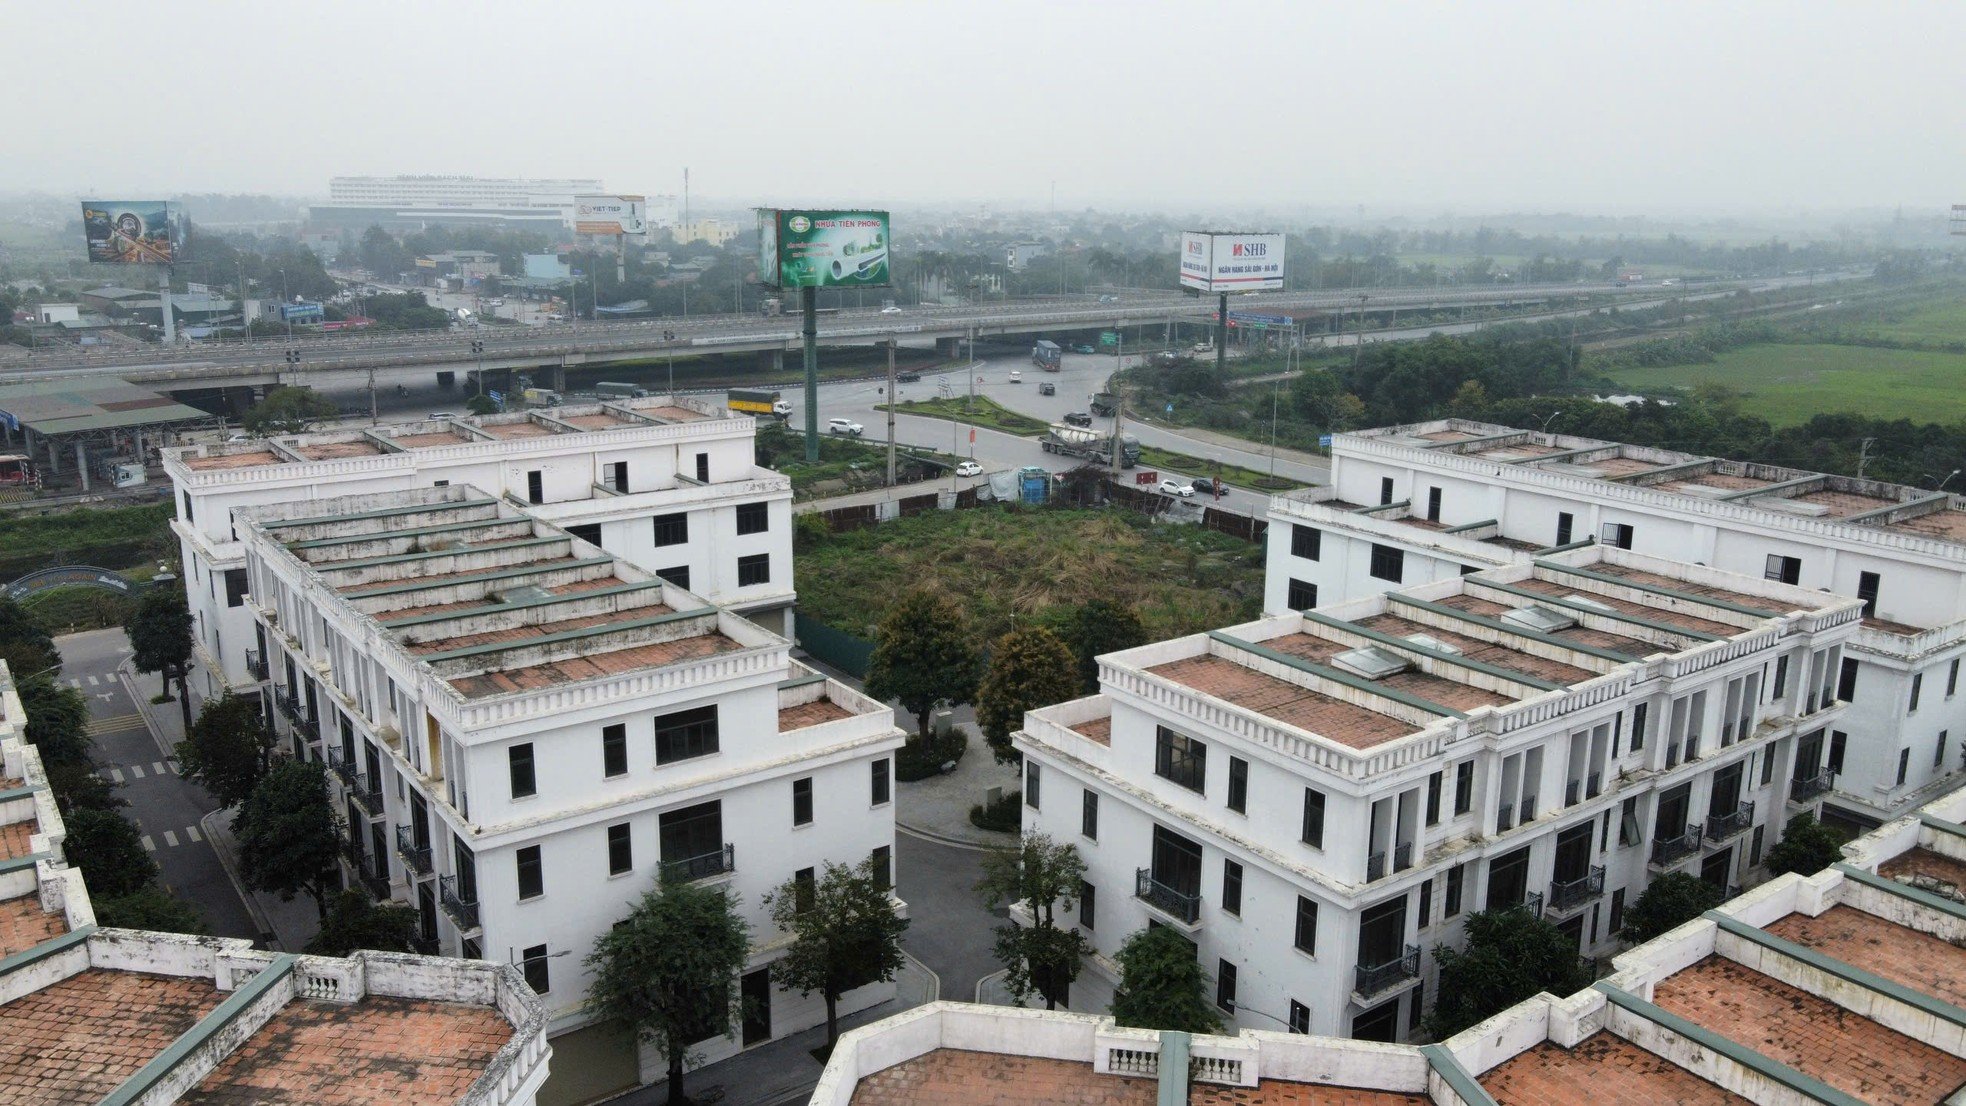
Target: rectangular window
{"points": [[1238, 785], [1306, 542], [672, 529], [1433, 798], [1180, 759], [1306, 935], [1939, 751], [677, 575], [1638, 726], [754, 569], [1300, 595], [1385, 490], [883, 865], [1433, 504], [1463, 787], [1629, 831], [535, 961], [1089, 814], [591, 534], [614, 476], [1904, 764], [235, 586], [1313, 818], [532, 880], [1618, 910], [1388, 563], [1232, 887], [614, 750], [1754, 846], [1426, 910], [1565, 522], [1952, 678], [1846, 681], [1837, 739], [703, 468], [1225, 986], [1456, 883], [685, 734], [1917, 685], [882, 785], [621, 852], [536, 486], [753, 518], [1786, 569], [802, 801], [1617, 534], [1781, 677], [1033, 777], [1300, 1017], [805, 890], [1867, 591], [1088, 904], [525, 781]]}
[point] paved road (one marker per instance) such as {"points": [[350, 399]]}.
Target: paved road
{"points": [[165, 807], [951, 932]]}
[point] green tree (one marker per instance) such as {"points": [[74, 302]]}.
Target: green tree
{"points": [[287, 410], [110, 852], [1669, 901], [228, 749], [481, 405], [845, 934], [1100, 626], [1029, 668], [148, 907], [923, 655], [24, 645], [57, 721], [286, 834], [356, 921], [160, 641], [1162, 985], [1510, 955], [1807, 846], [1044, 876], [76, 787], [665, 970]]}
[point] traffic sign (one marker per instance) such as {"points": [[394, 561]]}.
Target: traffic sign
{"points": [[1146, 476], [496, 397], [1324, 441], [1254, 317], [1109, 338]]}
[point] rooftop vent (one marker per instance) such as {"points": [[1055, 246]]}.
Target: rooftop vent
{"points": [[526, 593], [1790, 506], [1589, 472], [1428, 641], [1587, 601], [1370, 662], [1541, 619]]}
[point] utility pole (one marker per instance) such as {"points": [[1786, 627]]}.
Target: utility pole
{"points": [[892, 399], [809, 308], [970, 403], [1221, 335], [372, 415], [1863, 456], [1119, 433]]}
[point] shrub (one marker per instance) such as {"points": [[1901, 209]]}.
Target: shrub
{"points": [[919, 759], [1006, 815]]}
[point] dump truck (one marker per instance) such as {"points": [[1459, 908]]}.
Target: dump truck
{"points": [[1047, 356], [759, 403], [1105, 404], [1077, 441]]}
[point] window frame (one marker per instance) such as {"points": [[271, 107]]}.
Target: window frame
{"points": [[621, 837], [1307, 908], [1190, 759], [1387, 559], [614, 750], [520, 759], [1311, 548], [670, 529], [1312, 829], [533, 864], [802, 804], [753, 569], [753, 518]]}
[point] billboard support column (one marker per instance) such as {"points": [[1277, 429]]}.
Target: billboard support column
{"points": [[1221, 333], [164, 300], [809, 327]]}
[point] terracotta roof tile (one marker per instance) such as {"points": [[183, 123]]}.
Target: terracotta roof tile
{"points": [[55, 1037], [1900, 954], [568, 670], [1602, 1069], [1285, 702], [952, 1077], [23, 924], [810, 714]]}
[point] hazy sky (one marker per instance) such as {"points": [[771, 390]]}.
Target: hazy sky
{"points": [[1469, 106]]}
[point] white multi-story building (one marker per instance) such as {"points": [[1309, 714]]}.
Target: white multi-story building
{"points": [[413, 201], [1411, 504], [1315, 797], [526, 732], [669, 484]]}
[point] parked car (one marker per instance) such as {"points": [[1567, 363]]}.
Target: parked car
{"points": [[1016, 377], [844, 426], [907, 378], [1176, 487], [890, 309], [1078, 418], [1083, 348], [1047, 388], [969, 468], [443, 414], [1204, 486]]}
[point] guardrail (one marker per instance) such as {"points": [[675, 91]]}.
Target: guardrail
{"points": [[1172, 901], [415, 857], [463, 911], [1671, 850], [702, 866], [1370, 980], [1566, 895]]}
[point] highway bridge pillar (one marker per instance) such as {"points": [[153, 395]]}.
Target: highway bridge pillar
{"points": [[555, 377], [82, 464], [948, 349], [771, 360]]}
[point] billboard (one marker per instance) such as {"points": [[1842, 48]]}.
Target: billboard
{"points": [[610, 215], [822, 249], [300, 312], [1231, 261], [133, 232]]}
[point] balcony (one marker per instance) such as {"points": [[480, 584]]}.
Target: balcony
{"points": [[1721, 827], [1667, 851], [1528, 812], [1568, 895], [1375, 864], [1370, 981], [1183, 906], [1533, 903], [256, 665], [357, 783], [371, 872], [1804, 790], [463, 911], [426, 946], [415, 858], [1505, 818], [692, 868]]}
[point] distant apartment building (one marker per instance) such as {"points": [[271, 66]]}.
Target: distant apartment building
{"points": [[1318, 799], [526, 733], [668, 484], [1425, 502], [413, 202]]}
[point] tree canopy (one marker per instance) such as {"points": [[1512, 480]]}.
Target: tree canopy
{"points": [[1162, 985], [356, 921], [57, 720], [227, 748], [24, 645], [148, 907], [110, 852], [1807, 846], [924, 655], [1100, 626], [287, 410], [1029, 668], [1045, 876], [845, 934], [1510, 955], [286, 834], [1667, 902]]}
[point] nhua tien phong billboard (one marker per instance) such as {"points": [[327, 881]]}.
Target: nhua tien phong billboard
{"points": [[822, 249], [1231, 261], [610, 215], [133, 232]]}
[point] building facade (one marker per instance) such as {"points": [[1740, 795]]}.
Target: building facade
{"points": [[412, 202], [1317, 798], [526, 733], [1410, 504], [669, 484]]}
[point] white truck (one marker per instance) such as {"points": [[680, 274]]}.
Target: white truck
{"points": [[1078, 441]]}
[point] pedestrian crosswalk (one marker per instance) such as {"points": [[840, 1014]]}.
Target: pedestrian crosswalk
{"points": [[172, 838], [122, 773], [115, 723]]}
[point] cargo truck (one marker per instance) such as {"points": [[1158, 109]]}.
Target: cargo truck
{"points": [[1105, 404], [1093, 445], [759, 403], [1047, 356], [616, 388]]}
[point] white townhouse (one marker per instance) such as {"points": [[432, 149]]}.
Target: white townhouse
{"points": [[668, 484], [1429, 501], [1317, 798], [527, 731]]}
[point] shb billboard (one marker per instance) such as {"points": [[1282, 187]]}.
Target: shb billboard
{"points": [[606, 215], [822, 249], [133, 232], [1231, 261]]}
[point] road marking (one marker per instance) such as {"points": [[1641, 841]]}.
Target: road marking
{"points": [[191, 834], [136, 771], [149, 846], [116, 774], [93, 682], [170, 838], [115, 723], [157, 766], [75, 682]]}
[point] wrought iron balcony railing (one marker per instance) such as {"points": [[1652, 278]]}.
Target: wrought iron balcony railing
{"points": [[255, 664], [1372, 979], [1803, 790], [1733, 823], [463, 911], [416, 858], [691, 868], [1169, 900], [1567, 895], [1677, 847]]}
